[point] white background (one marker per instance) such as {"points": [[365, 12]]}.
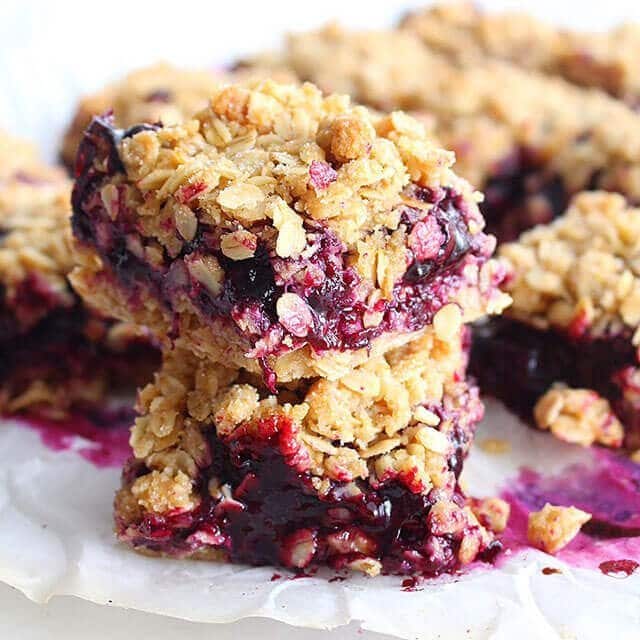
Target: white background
{"points": [[51, 52]]}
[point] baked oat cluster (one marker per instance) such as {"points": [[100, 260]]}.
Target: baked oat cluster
{"points": [[309, 267], [554, 527], [54, 354], [246, 232], [529, 142], [575, 319], [607, 60]]}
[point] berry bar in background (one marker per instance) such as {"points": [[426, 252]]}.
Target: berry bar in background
{"points": [[566, 354], [54, 353], [606, 60]]}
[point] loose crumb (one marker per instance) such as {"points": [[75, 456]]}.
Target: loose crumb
{"points": [[554, 527], [495, 446]]}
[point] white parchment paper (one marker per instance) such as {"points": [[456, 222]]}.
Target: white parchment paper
{"points": [[56, 539]]}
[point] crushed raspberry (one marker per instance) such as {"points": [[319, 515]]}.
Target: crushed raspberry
{"points": [[425, 239], [190, 191], [321, 175], [579, 325]]}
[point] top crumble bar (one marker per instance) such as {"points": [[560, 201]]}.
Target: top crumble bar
{"points": [[281, 229], [606, 61]]}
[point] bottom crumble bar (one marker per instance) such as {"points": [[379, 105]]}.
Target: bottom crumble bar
{"points": [[359, 473]]}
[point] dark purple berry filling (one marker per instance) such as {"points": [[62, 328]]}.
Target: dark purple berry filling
{"points": [[521, 194], [517, 364], [272, 515], [440, 247]]}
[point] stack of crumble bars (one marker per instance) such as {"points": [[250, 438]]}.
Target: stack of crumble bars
{"points": [[310, 267]]}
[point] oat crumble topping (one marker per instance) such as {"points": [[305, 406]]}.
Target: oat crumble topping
{"points": [[581, 273]]}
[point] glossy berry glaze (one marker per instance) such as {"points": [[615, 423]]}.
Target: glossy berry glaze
{"points": [[440, 247], [520, 194], [518, 364], [266, 510]]}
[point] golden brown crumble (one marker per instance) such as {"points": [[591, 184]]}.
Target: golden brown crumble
{"points": [[492, 513], [581, 269], [252, 163], [579, 416], [375, 422], [553, 527], [606, 60]]}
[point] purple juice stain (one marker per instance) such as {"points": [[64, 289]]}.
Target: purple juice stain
{"points": [[100, 436], [608, 487]]}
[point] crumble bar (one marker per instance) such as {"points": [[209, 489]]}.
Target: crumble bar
{"points": [[527, 140], [607, 60], [54, 353], [357, 473], [575, 320], [282, 231]]}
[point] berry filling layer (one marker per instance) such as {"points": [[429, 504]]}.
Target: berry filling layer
{"points": [[317, 298], [65, 360]]}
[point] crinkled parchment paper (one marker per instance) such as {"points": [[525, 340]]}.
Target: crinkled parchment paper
{"points": [[56, 539]]}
